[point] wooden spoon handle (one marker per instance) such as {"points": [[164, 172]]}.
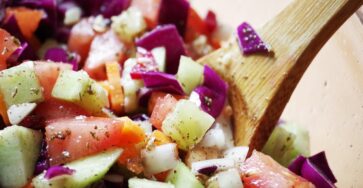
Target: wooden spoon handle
{"points": [[261, 86]]}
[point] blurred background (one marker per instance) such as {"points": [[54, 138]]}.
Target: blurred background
{"points": [[329, 99]]}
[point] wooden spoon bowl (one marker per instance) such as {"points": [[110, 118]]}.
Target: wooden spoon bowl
{"points": [[261, 85]]}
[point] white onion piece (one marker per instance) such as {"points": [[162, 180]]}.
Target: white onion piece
{"points": [[214, 138], [238, 154], [18, 112], [229, 178], [222, 164], [160, 159]]}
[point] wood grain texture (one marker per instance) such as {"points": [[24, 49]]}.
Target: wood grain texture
{"points": [[262, 85]]}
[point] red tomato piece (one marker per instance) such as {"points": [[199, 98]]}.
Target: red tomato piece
{"points": [[8, 44], [73, 138], [155, 96], [210, 21], [81, 38], [195, 26], [145, 63], [104, 48], [162, 108], [150, 10], [261, 171], [23, 16]]}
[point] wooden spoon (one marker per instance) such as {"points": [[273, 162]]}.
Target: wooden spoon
{"points": [[261, 85]]}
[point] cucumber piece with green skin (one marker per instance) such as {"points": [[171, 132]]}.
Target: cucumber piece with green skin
{"points": [[286, 142], [145, 183], [19, 151], [187, 124], [20, 85], [182, 177], [86, 171], [79, 88], [190, 74]]}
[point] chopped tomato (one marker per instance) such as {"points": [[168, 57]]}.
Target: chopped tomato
{"points": [[57, 109], [73, 138], [8, 44], [28, 19], [162, 108], [261, 171], [104, 48], [195, 26], [116, 93], [150, 10], [47, 73], [3, 110], [155, 96], [81, 38]]}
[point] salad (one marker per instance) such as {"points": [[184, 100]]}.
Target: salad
{"points": [[107, 93]]}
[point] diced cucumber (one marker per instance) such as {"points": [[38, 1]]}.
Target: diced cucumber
{"points": [[182, 177], [145, 183], [159, 54], [19, 151], [286, 142], [94, 99], [190, 74], [129, 24], [130, 87], [187, 124], [79, 88], [18, 112], [20, 85], [87, 171]]}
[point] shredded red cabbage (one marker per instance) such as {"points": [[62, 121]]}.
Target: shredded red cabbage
{"points": [[114, 7], [55, 171], [14, 57], [211, 101], [168, 37], [315, 169], [140, 117], [174, 12], [249, 41], [159, 81], [213, 92], [42, 162], [62, 56], [209, 170]]}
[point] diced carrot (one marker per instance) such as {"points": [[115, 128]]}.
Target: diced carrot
{"points": [[132, 132], [3, 110], [162, 108], [160, 138], [8, 44], [150, 11], [27, 19], [113, 71], [135, 137]]}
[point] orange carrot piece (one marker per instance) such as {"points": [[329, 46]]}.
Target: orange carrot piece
{"points": [[160, 138], [116, 94]]}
